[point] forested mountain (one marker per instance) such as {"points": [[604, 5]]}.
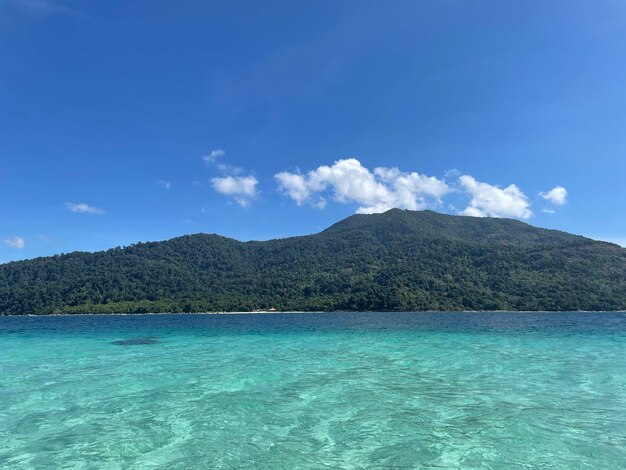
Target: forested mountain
{"points": [[398, 260]]}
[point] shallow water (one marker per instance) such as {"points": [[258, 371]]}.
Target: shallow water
{"points": [[333, 390]]}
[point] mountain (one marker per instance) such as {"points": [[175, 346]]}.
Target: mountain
{"points": [[398, 260]]}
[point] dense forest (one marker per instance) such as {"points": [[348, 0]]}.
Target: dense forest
{"points": [[398, 260]]}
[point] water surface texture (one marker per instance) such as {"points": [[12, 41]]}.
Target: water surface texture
{"points": [[333, 390]]}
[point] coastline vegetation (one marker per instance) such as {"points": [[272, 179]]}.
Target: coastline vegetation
{"points": [[398, 260]]}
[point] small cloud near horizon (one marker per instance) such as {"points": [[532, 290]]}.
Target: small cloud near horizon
{"points": [[557, 195], [15, 242], [82, 208], [241, 188]]}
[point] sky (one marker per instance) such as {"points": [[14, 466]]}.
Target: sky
{"points": [[127, 121]]}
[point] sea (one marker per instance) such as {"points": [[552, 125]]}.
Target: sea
{"points": [[314, 391]]}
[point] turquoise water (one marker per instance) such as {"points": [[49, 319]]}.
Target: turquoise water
{"points": [[368, 390]]}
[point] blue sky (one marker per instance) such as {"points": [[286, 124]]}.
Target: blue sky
{"points": [[126, 121]]}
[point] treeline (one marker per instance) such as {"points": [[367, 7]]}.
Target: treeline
{"points": [[399, 260]]}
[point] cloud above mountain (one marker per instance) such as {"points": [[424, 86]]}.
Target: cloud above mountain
{"points": [[556, 196], [348, 181], [491, 201], [241, 188]]}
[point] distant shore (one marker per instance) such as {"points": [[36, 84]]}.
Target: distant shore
{"points": [[290, 312]]}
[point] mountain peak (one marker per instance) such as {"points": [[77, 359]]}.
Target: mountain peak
{"points": [[429, 224]]}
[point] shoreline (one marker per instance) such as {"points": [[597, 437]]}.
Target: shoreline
{"points": [[296, 312]]}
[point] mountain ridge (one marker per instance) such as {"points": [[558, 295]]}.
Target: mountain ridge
{"points": [[397, 260]]}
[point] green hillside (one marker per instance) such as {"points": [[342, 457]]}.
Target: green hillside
{"points": [[398, 260]]}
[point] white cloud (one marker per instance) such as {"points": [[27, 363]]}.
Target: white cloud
{"points": [[232, 183], [163, 184], [242, 188], [16, 242], [492, 201], [294, 185], [244, 185], [83, 208], [557, 195], [377, 191], [213, 155]]}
